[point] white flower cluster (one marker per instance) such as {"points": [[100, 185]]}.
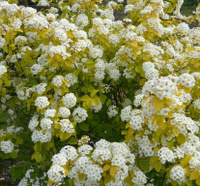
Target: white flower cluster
{"points": [[165, 155], [50, 113], [79, 114], [27, 179], [3, 70], [58, 81], [177, 174], [96, 108], [41, 102], [7, 146], [196, 103], [150, 71], [184, 124], [60, 50], [41, 136], [186, 80], [69, 100], [56, 173], [84, 140], [46, 123], [82, 20], [71, 79], [162, 87], [34, 122], [64, 112], [112, 111], [136, 121], [87, 163], [36, 68], [66, 126]]}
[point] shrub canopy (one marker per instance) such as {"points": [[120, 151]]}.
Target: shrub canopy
{"points": [[90, 100]]}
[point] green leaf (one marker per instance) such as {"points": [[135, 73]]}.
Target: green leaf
{"points": [[18, 171], [113, 170], [19, 141], [84, 127], [14, 154], [72, 141], [32, 83], [93, 93], [144, 164]]}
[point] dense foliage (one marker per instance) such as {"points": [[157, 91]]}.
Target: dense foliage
{"points": [[88, 100]]}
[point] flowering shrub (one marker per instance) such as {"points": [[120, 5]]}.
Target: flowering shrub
{"points": [[94, 101]]}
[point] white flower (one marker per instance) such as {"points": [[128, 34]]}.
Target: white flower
{"points": [[69, 100], [7, 146], [79, 114], [41, 102], [3, 70], [66, 126], [56, 173]]}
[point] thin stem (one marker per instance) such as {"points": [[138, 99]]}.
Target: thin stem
{"points": [[131, 58]]}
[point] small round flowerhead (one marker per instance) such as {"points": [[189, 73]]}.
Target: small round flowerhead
{"points": [[7, 146], [69, 100], [41, 102], [57, 81], [3, 70], [64, 112], [66, 126], [56, 173], [46, 123], [80, 114], [50, 113], [177, 174]]}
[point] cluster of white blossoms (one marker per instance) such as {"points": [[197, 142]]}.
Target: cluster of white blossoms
{"points": [[7, 146], [82, 20], [71, 79], [186, 80], [161, 87], [41, 136], [112, 111], [41, 102], [69, 100], [3, 70], [57, 81], [166, 154], [177, 174], [34, 182], [150, 71], [88, 166], [145, 69], [66, 126], [79, 114], [64, 112]]}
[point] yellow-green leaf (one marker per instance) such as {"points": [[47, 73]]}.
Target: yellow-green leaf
{"points": [[186, 160], [72, 141], [106, 167], [175, 131], [158, 105], [181, 138], [107, 179], [144, 164], [93, 93], [158, 166], [95, 100], [113, 170], [194, 175], [198, 181], [81, 176]]}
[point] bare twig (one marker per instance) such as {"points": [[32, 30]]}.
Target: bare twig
{"points": [[131, 59], [187, 107]]}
